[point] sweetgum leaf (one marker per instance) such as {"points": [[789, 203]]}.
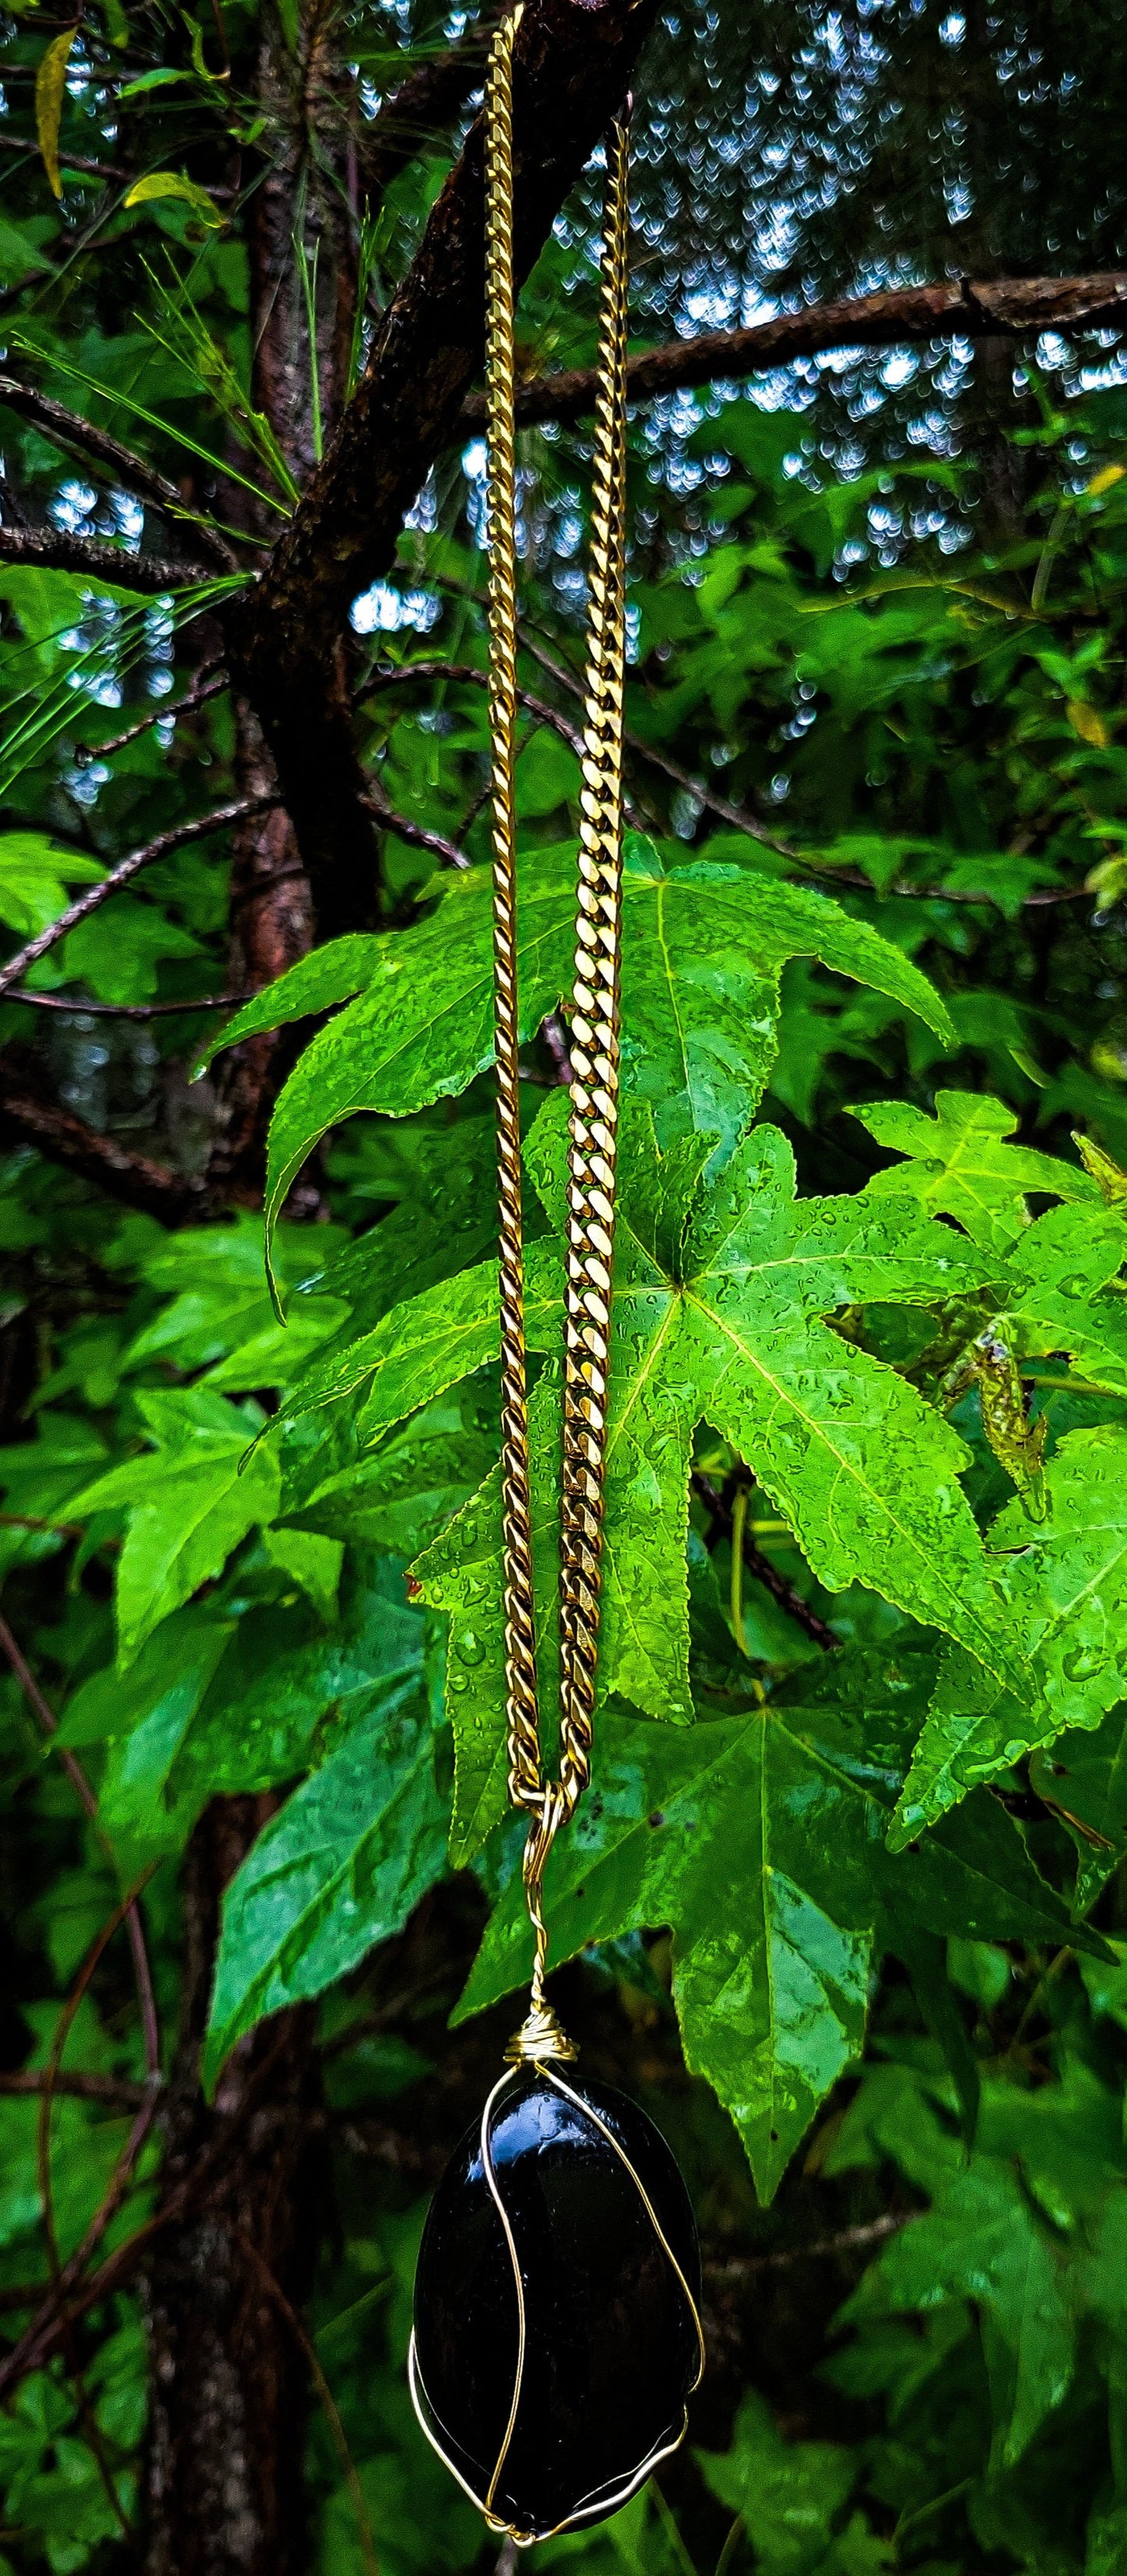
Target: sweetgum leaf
{"points": [[760, 1841], [961, 1165], [720, 1287], [1063, 1293], [983, 2241], [1065, 1579], [703, 949]]}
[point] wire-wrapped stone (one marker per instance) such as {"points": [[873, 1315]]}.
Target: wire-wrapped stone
{"points": [[557, 2336]]}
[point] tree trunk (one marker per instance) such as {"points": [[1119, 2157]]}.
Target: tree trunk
{"points": [[230, 2382], [230, 2379]]}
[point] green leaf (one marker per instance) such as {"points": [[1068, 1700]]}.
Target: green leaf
{"points": [[117, 951], [983, 2241], [788, 2495], [39, 1477], [726, 1326], [411, 1483], [50, 91], [1065, 1580], [703, 949], [445, 1180], [162, 184], [1083, 1779], [419, 1349], [289, 1689], [188, 1504], [312, 1561], [162, 78], [961, 1165], [331, 974], [339, 1869], [1064, 1293], [162, 1689], [34, 875], [760, 1841], [160, 1695]]}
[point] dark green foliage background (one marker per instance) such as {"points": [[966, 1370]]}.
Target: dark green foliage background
{"points": [[879, 611]]}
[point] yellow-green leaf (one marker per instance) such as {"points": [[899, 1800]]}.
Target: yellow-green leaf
{"points": [[50, 84], [1088, 723], [170, 183]]}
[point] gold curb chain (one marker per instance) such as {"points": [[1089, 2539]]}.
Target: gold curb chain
{"points": [[594, 1031]]}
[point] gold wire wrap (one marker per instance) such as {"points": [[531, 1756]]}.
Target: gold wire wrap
{"points": [[431, 2424], [594, 1034]]}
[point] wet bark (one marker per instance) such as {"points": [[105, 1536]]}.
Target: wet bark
{"points": [[573, 63], [225, 2483], [225, 2477]]}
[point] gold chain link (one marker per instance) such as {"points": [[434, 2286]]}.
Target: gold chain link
{"points": [[594, 1031]]}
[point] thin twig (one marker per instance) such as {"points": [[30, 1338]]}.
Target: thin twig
{"points": [[127, 1010], [694, 787], [43, 1711], [849, 2240], [275, 2291], [47, 2335], [387, 675], [113, 2194], [415, 834], [127, 868], [73, 431], [57, 550], [196, 697], [788, 1596], [67, 160], [114, 2090]]}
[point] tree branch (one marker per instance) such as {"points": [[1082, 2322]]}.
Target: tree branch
{"points": [[67, 160], [76, 1002], [113, 2089], [153, 1187], [573, 64], [55, 550], [416, 835], [432, 96], [194, 697], [72, 431], [849, 2240], [45, 1717], [787, 1595], [126, 868], [957, 309]]}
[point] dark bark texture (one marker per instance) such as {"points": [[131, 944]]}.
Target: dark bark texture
{"points": [[999, 311], [573, 64], [225, 2479], [55, 551]]}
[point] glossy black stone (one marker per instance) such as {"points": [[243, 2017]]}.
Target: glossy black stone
{"points": [[611, 2347]]}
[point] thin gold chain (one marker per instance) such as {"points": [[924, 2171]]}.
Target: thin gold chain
{"points": [[594, 1030]]}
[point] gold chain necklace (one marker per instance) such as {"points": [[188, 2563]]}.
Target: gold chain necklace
{"points": [[557, 2334], [594, 1037]]}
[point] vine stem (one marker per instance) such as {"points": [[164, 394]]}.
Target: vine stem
{"points": [[42, 1710]]}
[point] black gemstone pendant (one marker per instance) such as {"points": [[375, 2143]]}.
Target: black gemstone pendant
{"points": [[556, 2331]]}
